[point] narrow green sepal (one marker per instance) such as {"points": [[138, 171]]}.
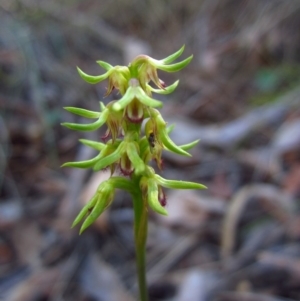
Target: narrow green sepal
{"points": [[92, 79], [87, 127], [102, 106], [145, 153], [173, 56], [166, 90], [110, 159], [122, 183], [83, 164], [134, 157], [147, 100], [82, 127], [190, 145], [136, 92], [93, 144], [83, 112], [104, 65], [170, 128], [171, 146], [99, 207], [174, 184], [175, 67], [153, 198], [124, 101], [84, 211], [104, 197], [165, 139]]}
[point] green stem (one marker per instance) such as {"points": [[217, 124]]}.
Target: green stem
{"points": [[140, 236]]}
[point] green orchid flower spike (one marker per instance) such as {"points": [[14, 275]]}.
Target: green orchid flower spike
{"points": [[128, 147]]}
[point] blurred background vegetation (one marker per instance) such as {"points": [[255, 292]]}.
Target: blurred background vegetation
{"points": [[239, 240]]}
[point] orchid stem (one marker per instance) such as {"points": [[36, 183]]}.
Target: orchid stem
{"points": [[140, 237]]}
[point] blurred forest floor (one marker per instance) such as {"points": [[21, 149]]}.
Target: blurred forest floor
{"points": [[236, 241]]}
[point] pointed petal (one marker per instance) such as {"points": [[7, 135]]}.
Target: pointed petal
{"points": [[134, 157], [122, 183], [162, 133], [82, 164], [83, 112], [189, 146], [102, 203], [170, 128], [124, 101], [102, 106], [92, 79], [174, 184], [104, 65], [84, 211], [93, 144], [170, 145], [166, 90], [146, 100], [173, 56], [145, 153], [110, 159], [175, 67], [87, 127]]}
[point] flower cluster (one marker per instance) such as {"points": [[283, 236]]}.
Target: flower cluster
{"points": [[127, 145]]}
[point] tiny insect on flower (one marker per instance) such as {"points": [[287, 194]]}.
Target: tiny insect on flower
{"points": [[151, 139]]}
